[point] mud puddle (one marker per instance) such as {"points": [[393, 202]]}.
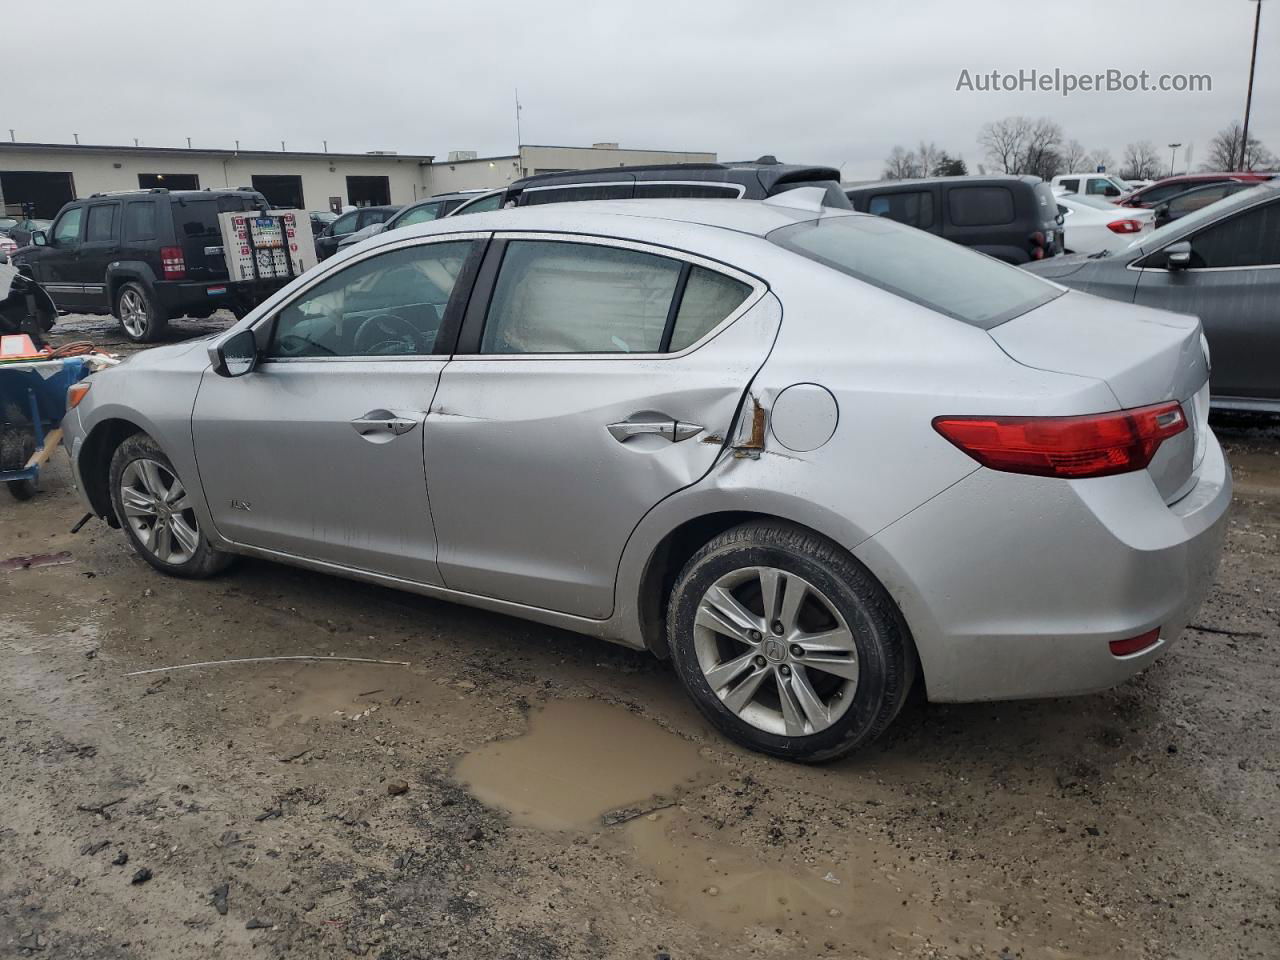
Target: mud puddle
{"points": [[339, 691], [580, 760]]}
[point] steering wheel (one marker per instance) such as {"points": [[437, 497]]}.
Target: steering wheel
{"points": [[386, 334]]}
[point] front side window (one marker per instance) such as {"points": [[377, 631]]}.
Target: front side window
{"points": [[980, 206], [915, 209], [559, 297], [1098, 187], [344, 225], [920, 267], [388, 305], [376, 216], [483, 205], [102, 223], [1251, 239], [66, 232], [423, 214]]}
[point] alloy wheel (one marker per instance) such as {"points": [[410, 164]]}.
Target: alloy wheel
{"points": [[776, 651], [133, 313], [159, 512]]}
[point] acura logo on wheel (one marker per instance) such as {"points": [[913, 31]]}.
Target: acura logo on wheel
{"points": [[775, 650]]}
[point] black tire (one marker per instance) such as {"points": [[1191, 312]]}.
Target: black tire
{"points": [[886, 662], [204, 560], [22, 489], [140, 317]]}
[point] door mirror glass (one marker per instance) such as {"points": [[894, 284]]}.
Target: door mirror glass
{"points": [[39, 239], [1111, 192], [1177, 256], [237, 355]]}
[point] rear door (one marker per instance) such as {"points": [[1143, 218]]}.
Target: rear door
{"points": [[985, 217], [100, 246], [594, 377], [1233, 286]]}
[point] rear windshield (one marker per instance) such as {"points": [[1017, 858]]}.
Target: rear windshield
{"points": [[198, 216], [920, 267]]}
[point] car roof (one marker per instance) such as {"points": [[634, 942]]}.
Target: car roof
{"points": [[979, 178], [768, 172], [623, 217]]}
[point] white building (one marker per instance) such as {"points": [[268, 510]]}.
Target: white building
{"points": [[47, 175]]}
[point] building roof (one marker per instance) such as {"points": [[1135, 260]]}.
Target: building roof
{"points": [[210, 152]]}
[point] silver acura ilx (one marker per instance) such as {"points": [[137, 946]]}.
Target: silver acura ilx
{"points": [[807, 454]]}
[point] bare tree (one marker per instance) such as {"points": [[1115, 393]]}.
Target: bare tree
{"points": [[1141, 161], [1225, 152], [901, 165], [928, 156], [1074, 156], [1099, 158], [1023, 145]]}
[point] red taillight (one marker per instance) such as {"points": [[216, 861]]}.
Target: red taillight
{"points": [[1037, 245], [171, 259], [1095, 445], [1124, 648], [1125, 226]]}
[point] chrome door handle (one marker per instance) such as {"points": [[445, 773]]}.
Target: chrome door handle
{"points": [[667, 427], [383, 421]]}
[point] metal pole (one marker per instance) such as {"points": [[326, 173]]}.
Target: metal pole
{"points": [[519, 140], [1173, 153], [1248, 101]]}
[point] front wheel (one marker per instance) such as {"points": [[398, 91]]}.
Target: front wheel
{"points": [[157, 513], [787, 644]]}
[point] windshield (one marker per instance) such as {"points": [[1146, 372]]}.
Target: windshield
{"points": [[1174, 228], [920, 267]]}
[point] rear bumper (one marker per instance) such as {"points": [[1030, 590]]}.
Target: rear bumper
{"points": [[1013, 586]]}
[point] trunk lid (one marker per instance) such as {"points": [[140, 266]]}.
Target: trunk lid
{"points": [[1145, 356]]}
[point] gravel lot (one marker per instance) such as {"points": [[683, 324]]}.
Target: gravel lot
{"points": [[520, 792]]}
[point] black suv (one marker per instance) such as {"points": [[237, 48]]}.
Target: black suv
{"points": [[1011, 218], [754, 180], [143, 256]]}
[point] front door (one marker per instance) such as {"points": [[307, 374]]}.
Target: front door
{"points": [[318, 453], [57, 265], [1233, 286], [603, 377]]}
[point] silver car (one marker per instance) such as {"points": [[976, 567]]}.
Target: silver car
{"points": [[806, 454]]}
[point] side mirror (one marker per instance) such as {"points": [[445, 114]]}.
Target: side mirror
{"points": [[236, 355], [1111, 192], [1177, 256], [39, 239]]}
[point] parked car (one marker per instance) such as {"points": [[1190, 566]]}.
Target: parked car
{"points": [[347, 224], [1091, 184], [143, 256], [1091, 224], [6, 224], [753, 180], [1220, 263], [480, 203], [1191, 200], [805, 453], [1170, 187], [20, 233], [7, 248], [1137, 184], [1014, 219], [423, 211]]}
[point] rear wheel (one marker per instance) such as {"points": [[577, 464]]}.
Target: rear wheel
{"points": [[138, 314], [157, 513], [787, 644]]}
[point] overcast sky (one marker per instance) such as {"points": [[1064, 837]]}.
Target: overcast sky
{"points": [[808, 80]]}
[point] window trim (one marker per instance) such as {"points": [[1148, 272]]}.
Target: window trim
{"points": [[264, 327], [477, 313]]}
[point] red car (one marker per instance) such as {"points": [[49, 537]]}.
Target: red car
{"points": [[1168, 188]]}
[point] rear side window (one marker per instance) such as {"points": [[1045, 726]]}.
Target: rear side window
{"points": [[102, 223], [920, 267], [709, 298], [140, 220], [980, 206], [1071, 186], [915, 209], [689, 191], [553, 297], [586, 191], [198, 217]]}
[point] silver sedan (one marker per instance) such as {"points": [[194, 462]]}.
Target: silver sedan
{"points": [[808, 455]]}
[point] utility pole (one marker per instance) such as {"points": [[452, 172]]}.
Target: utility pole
{"points": [[519, 141], [1173, 151], [1248, 100]]}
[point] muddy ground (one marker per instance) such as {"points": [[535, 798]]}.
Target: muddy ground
{"points": [[519, 792]]}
